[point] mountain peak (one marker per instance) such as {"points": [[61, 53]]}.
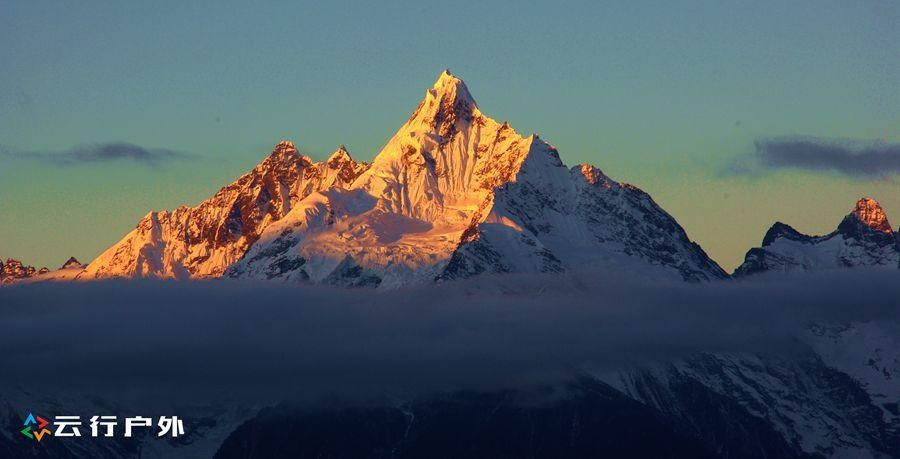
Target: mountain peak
{"points": [[447, 102], [341, 154], [284, 145], [450, 83], [72, 262], [779, 230], [341, 159], [447, 80], [284, 154], [449, 88], [869, 213], [284, 149]]}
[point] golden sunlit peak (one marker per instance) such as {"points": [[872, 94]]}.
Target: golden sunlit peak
{"points": [[341, 154], [447, 82], [870, 213], [445, 77], [285, 144], [594, 175]]}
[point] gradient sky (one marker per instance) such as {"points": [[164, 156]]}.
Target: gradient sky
{"points": [[665, 95]]}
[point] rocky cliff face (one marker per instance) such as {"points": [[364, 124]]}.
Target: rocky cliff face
{"points": [[864, 238]]}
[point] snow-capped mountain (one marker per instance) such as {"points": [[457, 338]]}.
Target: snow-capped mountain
{"points": [[202, 241], [455, 193], [863, 238]]}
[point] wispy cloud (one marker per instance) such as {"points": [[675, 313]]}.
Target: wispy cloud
{"points": [[101, 153], [855, 158]]}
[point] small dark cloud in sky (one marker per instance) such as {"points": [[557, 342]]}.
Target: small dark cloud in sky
{"points": [[855, 158], [102, 153]]}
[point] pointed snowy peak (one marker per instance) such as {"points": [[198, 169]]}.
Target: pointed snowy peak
{"points": [[447, 103], [449, 86], [346, 168], [72, 262], [283, 158], [284, 153], [867, 214], [340, 156]]}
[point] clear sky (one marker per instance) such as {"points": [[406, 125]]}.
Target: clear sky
{"points": [[675, 97]]}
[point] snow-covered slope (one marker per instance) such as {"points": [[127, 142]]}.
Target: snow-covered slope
{"points": [[814, 407], [202, 241], [455, 193], [837, 396], [863, 238], [870, 353]]}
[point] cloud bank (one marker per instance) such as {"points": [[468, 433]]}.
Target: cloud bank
{"points": [[277, 340], [102, 153], [855, 158]]}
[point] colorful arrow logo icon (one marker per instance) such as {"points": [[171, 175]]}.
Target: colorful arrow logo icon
{"points": [[35, 427]]}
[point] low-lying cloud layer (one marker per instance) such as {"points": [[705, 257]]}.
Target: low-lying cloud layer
{"points": [[102, 153], [276, 340], [854, 158]]}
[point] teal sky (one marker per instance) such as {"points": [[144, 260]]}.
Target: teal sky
{"points": [[661, 94]]}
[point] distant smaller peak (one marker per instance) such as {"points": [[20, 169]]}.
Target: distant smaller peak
{"points": [[72, 262], [340, 155], [784, 230], [868, 213]]}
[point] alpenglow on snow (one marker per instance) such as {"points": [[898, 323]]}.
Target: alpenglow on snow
{"points": [[451, 195]]}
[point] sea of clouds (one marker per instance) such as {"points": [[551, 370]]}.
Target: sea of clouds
{"points": [[276, 340]]}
